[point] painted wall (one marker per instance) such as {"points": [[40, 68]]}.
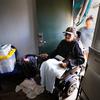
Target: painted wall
{"points": [[17, 25], [54, 16]]}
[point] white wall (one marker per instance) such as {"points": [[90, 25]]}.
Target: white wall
{"points": [[17, 25]]}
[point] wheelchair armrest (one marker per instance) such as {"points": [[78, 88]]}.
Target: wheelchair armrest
{"points": [[70, 71]]}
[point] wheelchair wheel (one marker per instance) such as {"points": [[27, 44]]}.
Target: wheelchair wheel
{"points": [[71, 85], [71, 88]]}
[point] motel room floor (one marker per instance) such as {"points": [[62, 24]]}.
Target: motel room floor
{"points": [[7, 91]]}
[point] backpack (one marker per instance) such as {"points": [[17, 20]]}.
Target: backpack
{"points": [[29, 68]]}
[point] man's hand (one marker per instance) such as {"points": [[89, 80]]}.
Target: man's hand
{"points": [[63, 65]]}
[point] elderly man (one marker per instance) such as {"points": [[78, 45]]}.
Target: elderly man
{"points": [[67, 55]]}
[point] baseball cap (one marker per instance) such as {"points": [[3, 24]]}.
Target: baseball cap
{"points": [[70, 30]]}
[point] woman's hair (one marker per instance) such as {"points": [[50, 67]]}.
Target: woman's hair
{"points": [[89, 18]]}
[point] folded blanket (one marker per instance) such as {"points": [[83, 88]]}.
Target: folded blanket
{"points": [[49, 71]]}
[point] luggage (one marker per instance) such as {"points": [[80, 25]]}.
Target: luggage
{"points": [[29, 65]]}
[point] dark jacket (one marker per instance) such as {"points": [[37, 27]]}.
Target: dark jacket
{"points": [[70, 51]]}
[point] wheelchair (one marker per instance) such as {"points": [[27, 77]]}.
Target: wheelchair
{"points": [[68, 82], [66, 85]]}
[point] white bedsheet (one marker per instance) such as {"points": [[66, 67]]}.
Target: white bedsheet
{"points": [[49, 70]]}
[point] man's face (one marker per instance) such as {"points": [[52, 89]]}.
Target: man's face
{"points": [[69, 37]]}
